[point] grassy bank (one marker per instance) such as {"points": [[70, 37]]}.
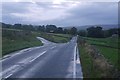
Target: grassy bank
{"points": [[87, 64], [57, 38], [108, 48], [110, 54], [107, 42], [94, 65], [13, 39], [88, 67]]}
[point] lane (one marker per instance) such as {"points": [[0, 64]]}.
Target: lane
{"points": [[22, 58], [50, 61]]}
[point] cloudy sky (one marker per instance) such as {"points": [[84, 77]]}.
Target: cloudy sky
{"points": [[60, 12]]}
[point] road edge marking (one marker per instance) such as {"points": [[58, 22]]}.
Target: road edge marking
{"points": [[74, 62]]}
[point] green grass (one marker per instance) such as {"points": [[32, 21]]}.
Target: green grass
{"points": [[88, 67], [109, 42], [109, 53], [108, 48], [87, 61], [15, 40], [57, 38]]}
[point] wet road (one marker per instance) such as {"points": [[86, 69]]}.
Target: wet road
{"points": [[52, 60]]}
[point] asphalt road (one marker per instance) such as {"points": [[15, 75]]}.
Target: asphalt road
{"points": [[52, 60]]}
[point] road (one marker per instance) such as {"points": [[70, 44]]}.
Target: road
{"points": [[52, 60]]}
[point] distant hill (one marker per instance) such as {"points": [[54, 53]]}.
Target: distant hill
{"points": [[105, 27]]}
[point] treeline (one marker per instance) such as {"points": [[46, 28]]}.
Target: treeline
{"points": [[95, 31], [98, 32], [42, 28]]}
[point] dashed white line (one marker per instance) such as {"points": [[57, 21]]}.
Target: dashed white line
{"points": [[53, 47], [38, 56], [9, 69], [8, 75]]}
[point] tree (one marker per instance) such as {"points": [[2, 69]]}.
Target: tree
{"points": [[17, 26], [51, 28], [66, 31], [59, 30], [113, 31], [82, 33], [6, 25], [73, 31], [41, 28], [96, 32]]}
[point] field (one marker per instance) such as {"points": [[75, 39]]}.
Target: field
{"points": [[13, 39], [108, 47], [107, 42], [57, 38], [87, 64], [109, 53]]}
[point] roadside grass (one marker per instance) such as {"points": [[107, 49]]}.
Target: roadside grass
{"points": [[57, 38], [108, 48], [91, 65], [108, 42], [88, 67], [110, 53], [15, 39], [63, 35], [86, 62]]}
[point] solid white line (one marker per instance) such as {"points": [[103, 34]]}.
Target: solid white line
{"points": [[9, 75], [74, 62], [38, 56]]}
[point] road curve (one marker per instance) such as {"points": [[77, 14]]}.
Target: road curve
{"points": [[52, 60]]}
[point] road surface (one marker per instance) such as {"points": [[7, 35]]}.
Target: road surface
{"points": [[52, 60]]}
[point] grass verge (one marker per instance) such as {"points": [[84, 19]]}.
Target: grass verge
{"points": [[108, 48], [110, 54], [94, 65], [57, 38], [13, 39]]}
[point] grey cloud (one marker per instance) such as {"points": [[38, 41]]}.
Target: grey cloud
{"points": [[88, 14]]}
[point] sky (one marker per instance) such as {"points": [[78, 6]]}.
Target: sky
{"points": [[61, 13]]}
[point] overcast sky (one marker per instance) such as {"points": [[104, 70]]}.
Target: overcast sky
{"points": [[60, 12]]}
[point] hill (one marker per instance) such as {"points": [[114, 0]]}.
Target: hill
{"points": [[105, 27]]}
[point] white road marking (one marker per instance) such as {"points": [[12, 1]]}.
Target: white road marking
{"points": [[78, 61], [9, 71], [38, 56], [74, 63], [53, 47], [8, 75]]}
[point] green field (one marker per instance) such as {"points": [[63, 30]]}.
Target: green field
{"points": [[108, 42], [108, 48], [88, 67], [13, 39], [109, 53], [57, 38]]}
